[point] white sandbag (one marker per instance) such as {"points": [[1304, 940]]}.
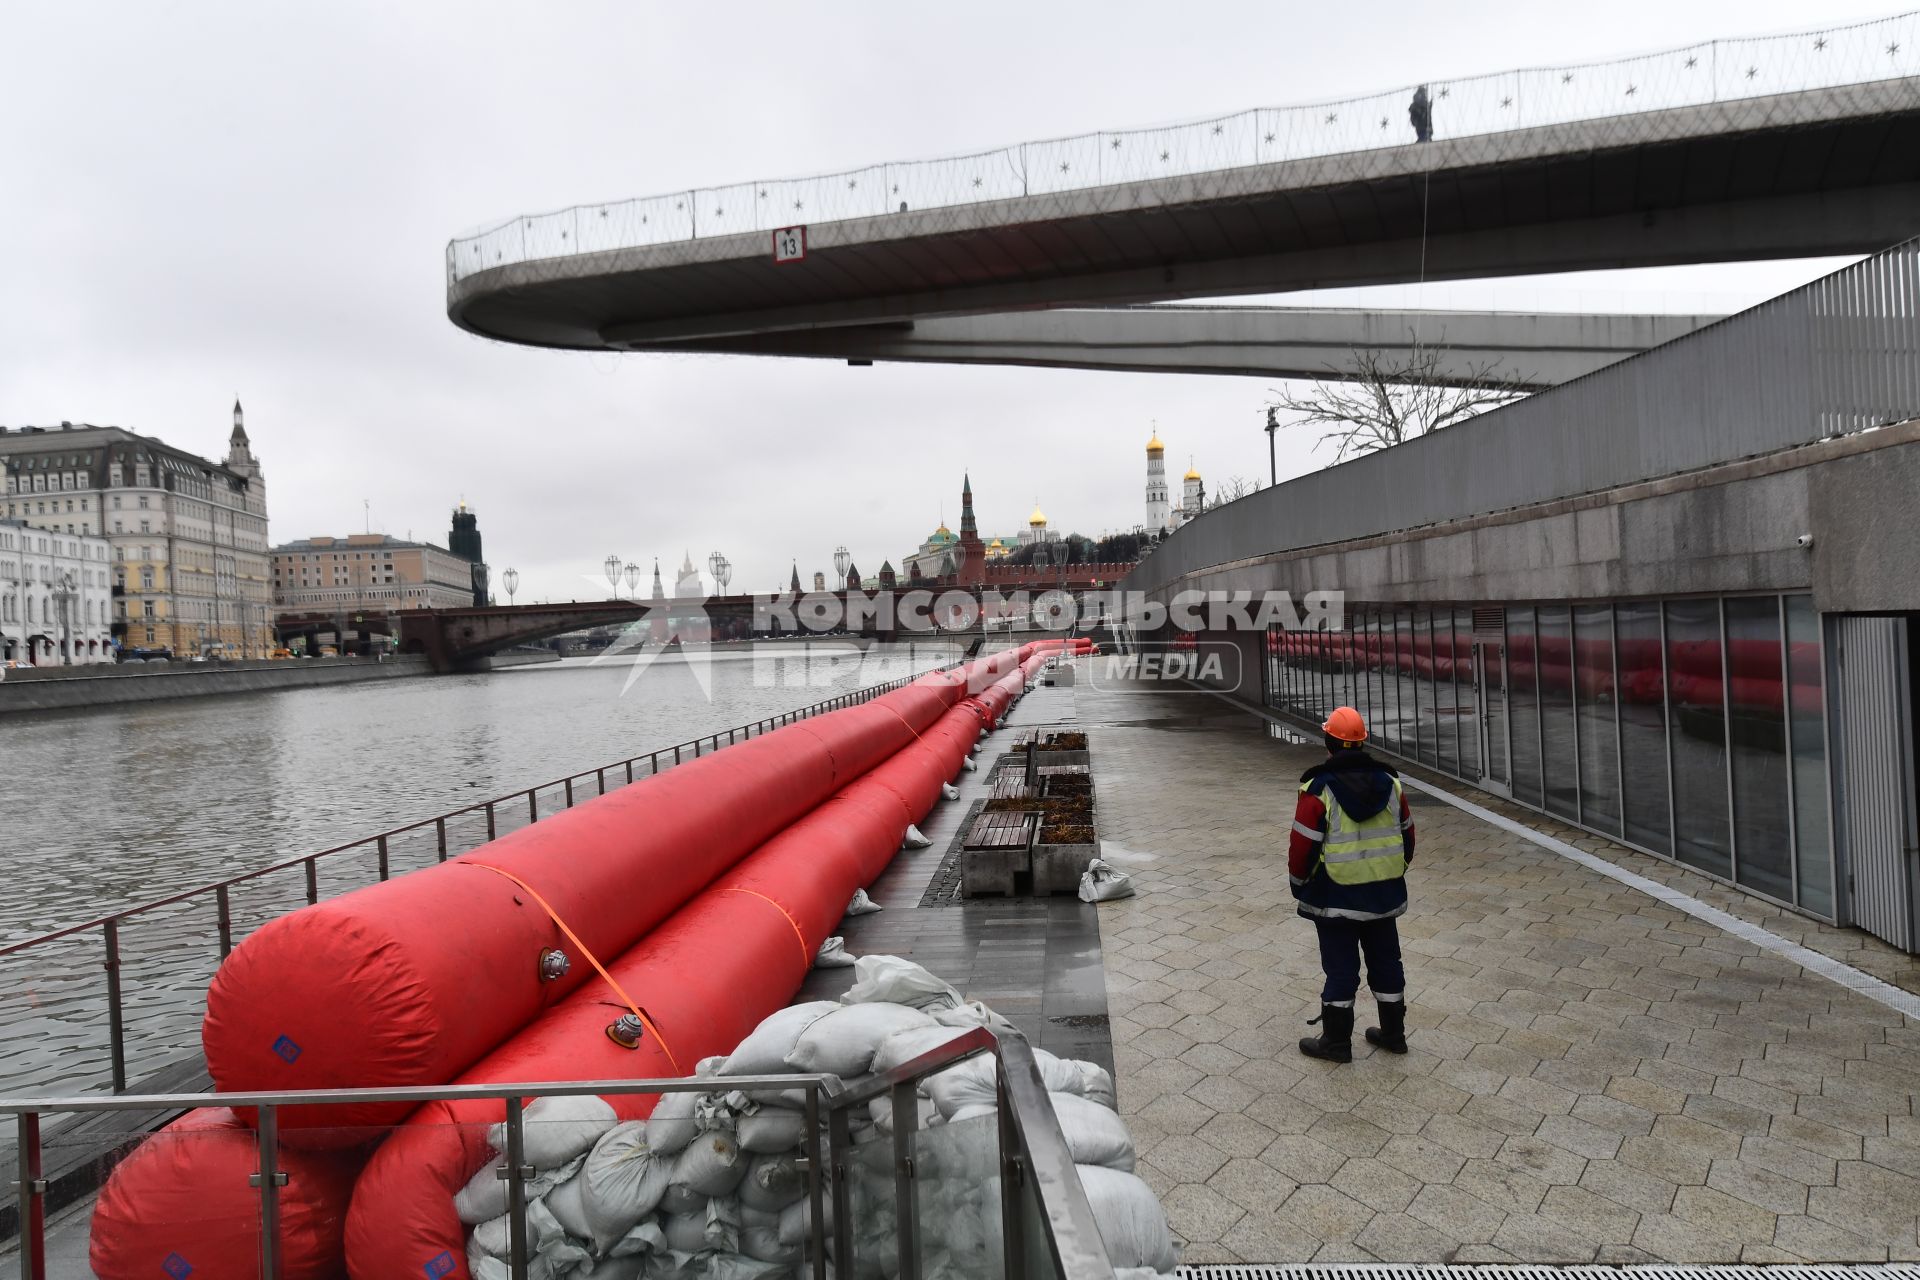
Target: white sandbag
{"points": [[563, 1202], [558, 1129], [682, 1200], [685, 1232], [904, 1046], [763, 1244], [843, 1043], [976, 1112], [771, 1129], [833, 955], [891, 980], [1132, 1224], [544, 1234], [1094, 1134], [969, 764], [973, 1083], [862, 905], [671, 1126], [707, 1068], [880, 1110], [1095, 1083], [793, 1220], [623, 1268], [971, 1013], [764, 1051], [484, 1266], [645, 1237], [622, 1181], [711, 1165], [949, 792], [1101, 883], [487, 1190], [772, 1183], [735, 1267], [913, 839]]}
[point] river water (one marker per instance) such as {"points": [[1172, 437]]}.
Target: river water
{"points": [[102, 809]]}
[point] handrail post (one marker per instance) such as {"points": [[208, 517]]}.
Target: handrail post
{"points": [[225, 909], [515, 1174], [440, 836], [817, 1171], [313, 881], [676, 755], [269, 1180], [116, 1029], [629, 771], [839, 1148], [906, 1117], [33, 1209], [1013, 1172], [490, 833], [570, 793], [381, 844]]}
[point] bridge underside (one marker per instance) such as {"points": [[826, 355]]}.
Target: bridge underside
{"points": [[1268, 342], [1834, 171]]}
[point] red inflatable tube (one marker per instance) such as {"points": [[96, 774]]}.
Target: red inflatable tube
{"points": [[181, 1205], [706, 978], [377, 987]]}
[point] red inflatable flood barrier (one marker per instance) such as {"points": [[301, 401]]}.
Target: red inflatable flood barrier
{"points": [[181, 1205], [380, 986], [706, 978]]}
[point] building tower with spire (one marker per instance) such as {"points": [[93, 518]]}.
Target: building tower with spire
{"points": [[686, 585], [971, 565], [1193, 497], [463, 540], [1159, 509]]}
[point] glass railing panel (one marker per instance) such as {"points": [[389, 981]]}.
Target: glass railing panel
{"points": [[956, 1188], [873, 1210]]}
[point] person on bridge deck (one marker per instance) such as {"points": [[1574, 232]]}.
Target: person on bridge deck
{"points": [[1352, 841], [1420, 113]]}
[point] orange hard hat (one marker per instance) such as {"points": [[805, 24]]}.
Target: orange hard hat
{"points": [[1345, 724]]}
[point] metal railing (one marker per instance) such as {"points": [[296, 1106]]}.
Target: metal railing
{"points": [[1697, 75], [1032, 1157], [1838, 356], [452, 833]]}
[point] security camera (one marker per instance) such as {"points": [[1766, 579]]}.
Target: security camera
{"points": [[1804, 541]]}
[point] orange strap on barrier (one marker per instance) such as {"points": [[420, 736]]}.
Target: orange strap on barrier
{"points": [[592, 959], [805, 955]]}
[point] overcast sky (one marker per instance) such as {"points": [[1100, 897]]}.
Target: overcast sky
{"points": [[199, 201]]}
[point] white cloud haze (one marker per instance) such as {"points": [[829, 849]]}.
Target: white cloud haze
{"points": [[209, 200]]}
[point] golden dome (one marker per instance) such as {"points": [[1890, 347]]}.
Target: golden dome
{"points": [[996, 543], [1192, 474], [1038, 517], [1154, 445]]}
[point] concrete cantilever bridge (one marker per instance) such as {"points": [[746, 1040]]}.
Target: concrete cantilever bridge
{"points": [[458, 639], [1789, 146]]}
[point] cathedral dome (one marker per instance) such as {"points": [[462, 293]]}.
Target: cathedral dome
{"points": [[1038, 517], [1192, 473], [1154, 445]]}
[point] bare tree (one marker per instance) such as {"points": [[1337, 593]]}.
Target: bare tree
{"points": [[1389, 397], [1231, 488]]}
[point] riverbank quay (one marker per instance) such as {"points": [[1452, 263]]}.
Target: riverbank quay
{"points": [[1595, 1076]]}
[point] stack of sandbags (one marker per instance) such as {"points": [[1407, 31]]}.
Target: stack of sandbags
{"points": [[712, 1185]]}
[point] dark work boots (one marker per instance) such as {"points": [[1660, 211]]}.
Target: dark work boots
{"points": [[1335, 1041], [1391, 1034]]}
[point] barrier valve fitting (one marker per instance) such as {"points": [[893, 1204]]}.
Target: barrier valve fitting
{"points": [[626, 1031], [554, 964]]}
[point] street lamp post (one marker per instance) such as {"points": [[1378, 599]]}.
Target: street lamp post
{"points": [[511, 581], [66, 628], [1273, 468], [633, 579], [714, 561], [612, 565], [722, 573], [841, 563]]}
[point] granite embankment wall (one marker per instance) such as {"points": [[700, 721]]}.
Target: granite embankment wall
{"points": [[60, 688]]}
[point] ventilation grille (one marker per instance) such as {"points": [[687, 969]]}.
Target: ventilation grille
{"points": [[1383, 1271], [1490, 624]]}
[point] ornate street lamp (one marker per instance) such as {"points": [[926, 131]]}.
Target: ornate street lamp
{"points": [[612, 565], [841, 563], [714, 561], [722, 573], [633, 579], [511, 581]]}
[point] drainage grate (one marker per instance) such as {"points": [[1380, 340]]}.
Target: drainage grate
{"points": [[1385, 1271]]}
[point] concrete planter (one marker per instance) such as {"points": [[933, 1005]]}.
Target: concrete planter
{"points": [[1046, 757], [990, 873], [1057, 867]]}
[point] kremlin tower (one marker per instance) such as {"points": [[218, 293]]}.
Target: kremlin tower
{"points": [[1159, 510]]}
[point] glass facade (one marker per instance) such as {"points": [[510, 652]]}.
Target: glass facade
{"points": [[1693, 729]]}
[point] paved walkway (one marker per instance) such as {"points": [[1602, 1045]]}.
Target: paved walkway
{"points": [[1595, 1076]]}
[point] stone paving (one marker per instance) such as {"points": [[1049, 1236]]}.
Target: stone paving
{"points": [[1595, 1077]]}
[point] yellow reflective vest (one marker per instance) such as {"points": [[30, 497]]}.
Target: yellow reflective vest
{"points": [[1364, 851]]}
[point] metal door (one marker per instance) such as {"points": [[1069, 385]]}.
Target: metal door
{"points": [[1872, 739], [1490, 699]]}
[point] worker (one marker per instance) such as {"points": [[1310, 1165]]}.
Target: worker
{"points": [[1420, 115], [1352, 841]]}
